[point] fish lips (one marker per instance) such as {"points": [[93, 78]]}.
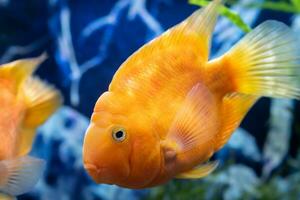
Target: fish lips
{"points": [[98, 174]]}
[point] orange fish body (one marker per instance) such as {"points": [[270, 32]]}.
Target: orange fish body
{"points": [[25, 103], [168, 108], [10, 120]]}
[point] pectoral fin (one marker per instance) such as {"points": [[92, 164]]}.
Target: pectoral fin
{"points": [[199, 171], [196, 122], [19, 175]]}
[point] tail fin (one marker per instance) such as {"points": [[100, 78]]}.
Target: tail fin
{"points": [[266, 62]]}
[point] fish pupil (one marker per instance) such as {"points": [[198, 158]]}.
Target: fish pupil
{"points": [[119, 134]]}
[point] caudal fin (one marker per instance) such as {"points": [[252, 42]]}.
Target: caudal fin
{"points": [[266, 62]]}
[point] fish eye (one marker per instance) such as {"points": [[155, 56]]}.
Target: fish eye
{"points": [[119, 135]]}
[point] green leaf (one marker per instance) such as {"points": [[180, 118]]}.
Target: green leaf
{"points": [[231, 15], [278, 6], [235, 19], [199, 2], [296, 3]]}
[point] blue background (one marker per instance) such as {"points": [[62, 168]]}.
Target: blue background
{"points": [[86, 42]]}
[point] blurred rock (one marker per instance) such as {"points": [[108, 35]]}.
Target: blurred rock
{"points": [[277, 142], [237, 181], [244, 142]]}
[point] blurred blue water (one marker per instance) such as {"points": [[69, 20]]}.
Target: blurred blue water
{"points": [[86, 42]]}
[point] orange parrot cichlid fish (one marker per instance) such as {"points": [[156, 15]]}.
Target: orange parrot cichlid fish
{"points": [[25, 103], [168, 108]]}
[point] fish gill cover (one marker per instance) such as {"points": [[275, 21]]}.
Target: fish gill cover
{"points": [[88, 40]]}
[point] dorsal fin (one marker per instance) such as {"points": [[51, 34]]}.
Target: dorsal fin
{"points": [[201, 22], [234, 108], [20, 70]]}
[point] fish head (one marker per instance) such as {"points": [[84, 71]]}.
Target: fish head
{"points": [[105, 153], [119, 149]]}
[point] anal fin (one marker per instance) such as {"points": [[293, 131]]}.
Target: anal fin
{"points": [[234, 108], [20, 70]]}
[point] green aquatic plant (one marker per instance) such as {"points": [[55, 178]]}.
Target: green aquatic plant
{"points": [[230, 14], [179, 189], [289, 6], [231, 183]]}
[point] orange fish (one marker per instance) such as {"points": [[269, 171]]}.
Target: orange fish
{"points": [[25, 103], [168, 108]]}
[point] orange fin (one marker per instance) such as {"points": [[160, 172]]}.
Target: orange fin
{"points": [[20, 70], [203, 22], [20, 175], [42, 100], [196, 29], [195, 121], [200, 171], [266, 62], [234, 108]]}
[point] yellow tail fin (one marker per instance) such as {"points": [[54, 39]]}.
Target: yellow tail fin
{"points": [[266, 62]]}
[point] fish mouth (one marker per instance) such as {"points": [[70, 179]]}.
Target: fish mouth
{"points": [[88, 167], [94, 168], [101, 174], [97, 173]]}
